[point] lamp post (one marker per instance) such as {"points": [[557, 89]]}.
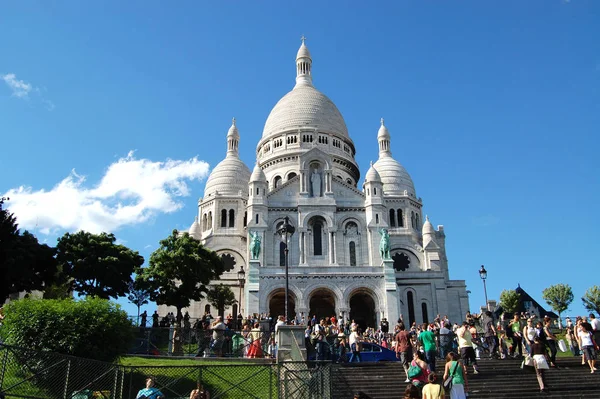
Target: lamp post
{"points": [[483, 275], [286, 231], [242, 279]]}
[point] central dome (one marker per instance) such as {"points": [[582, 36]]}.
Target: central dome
{"points": [[305, 107]]}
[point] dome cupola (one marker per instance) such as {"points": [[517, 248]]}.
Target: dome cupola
{"points": [[195, 230], [427, 227], [372, 175], [258, 175], [394, 177], [231, 175]]}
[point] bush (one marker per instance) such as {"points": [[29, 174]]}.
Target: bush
{"points": [[91, 328]]}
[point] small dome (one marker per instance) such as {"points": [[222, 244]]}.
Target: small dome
{"points": [[195, 230], [229, 177], [383, 132], [304, 107], [233, 131], [428, 227], [303, 52], [258, 175], [394, 177], [372, 175]]}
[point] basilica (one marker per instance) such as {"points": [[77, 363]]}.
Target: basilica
{"points": [[306, 171]]}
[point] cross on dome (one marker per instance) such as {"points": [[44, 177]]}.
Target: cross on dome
{"points": [[382, 122], [303, 38]]}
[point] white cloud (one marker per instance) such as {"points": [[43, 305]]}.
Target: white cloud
{"points": [[19, 88], [131, 192]]}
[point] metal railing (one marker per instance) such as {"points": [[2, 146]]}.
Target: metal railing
{"points": [[30, 374]]}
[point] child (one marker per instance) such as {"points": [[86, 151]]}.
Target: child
{"points": [[503, 347]]}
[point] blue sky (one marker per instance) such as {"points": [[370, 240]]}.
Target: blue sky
{"points": [[112, 114]]}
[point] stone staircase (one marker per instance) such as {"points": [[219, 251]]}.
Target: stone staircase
{"points": [[497, 379]]}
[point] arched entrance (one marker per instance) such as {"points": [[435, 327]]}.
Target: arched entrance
{"points": [[277, 304], [362, 310], [322, 303]]}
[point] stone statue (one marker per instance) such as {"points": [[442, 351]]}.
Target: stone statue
{"points": [[254, 244], [384, 244], [315, 180]]}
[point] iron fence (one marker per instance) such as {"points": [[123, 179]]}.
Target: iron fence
{"points": [[43, 375]]}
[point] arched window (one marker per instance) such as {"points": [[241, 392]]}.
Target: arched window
{"points": [[377, 218], [245, 219], [349, 181], [231, 218], [352, 253], [224, 218], [392, 218], [374, 190], [257, 218], [281, 253], [412, 219], [209, 220], [257, 191], [277, 182], [291, 176], [317, 243], [424, 311], [400, 218], [207, 309], [204, 222], [417, 221], [411, 308]]}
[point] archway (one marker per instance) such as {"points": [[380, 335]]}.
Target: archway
{"points": [[277, 304], [322, 303], [362, 310]]}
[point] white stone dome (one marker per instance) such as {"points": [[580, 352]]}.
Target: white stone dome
{"points": [[195, 229], [394, 177], [304, 107], [372, 175], [428, 227], [229, 177], [258, 175]]}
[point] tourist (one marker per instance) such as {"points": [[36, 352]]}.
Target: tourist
{"points": [[516, 327], [455, 369], [255, 350], [411, 392], [433, 390], [587, 345], [551, 341], [446, 339], [218, 336], [403, 348], [572, 341], [150, 392], [355, 341], [540, 361], [595, 323], [418, 378], [465, 345], [427, 340], [199, 392], [529, 333], [490, 335], [319, 334]]}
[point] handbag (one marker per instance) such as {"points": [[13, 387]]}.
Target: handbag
{"points": [[562, 346], [448, 381], [528, 361], [414, 372]]}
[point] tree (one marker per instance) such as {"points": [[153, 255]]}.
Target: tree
{"points": [[25, 264], [509, 300], [180, 271], [558, 296], [95, 265], [221, 296], [138, 295], [591, 299]]}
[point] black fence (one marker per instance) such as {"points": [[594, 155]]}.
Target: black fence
{"points": [[41, 375]]}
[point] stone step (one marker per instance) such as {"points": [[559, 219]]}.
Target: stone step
{"points": [[497, 379]]}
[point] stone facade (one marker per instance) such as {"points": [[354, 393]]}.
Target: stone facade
{"points": [[306, 170]]}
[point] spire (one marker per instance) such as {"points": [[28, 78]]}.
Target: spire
{"points": [[303, 65], [383, 137], [233, 140]]}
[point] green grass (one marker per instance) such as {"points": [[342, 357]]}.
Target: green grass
{"points": [[136, 361]]}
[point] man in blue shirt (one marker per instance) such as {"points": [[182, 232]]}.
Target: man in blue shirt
{"points": [[150, 392]]}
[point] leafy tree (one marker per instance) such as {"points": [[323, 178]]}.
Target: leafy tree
{"points": [[25, 264], [221, 296], [93, 328], [138, 295], [180, 271], [509, 300], [96, 265], [591, 299], [558, 296]]}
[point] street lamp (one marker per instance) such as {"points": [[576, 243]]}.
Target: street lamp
{"points": [[483, 275], [286, 231], [242, 279]]}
